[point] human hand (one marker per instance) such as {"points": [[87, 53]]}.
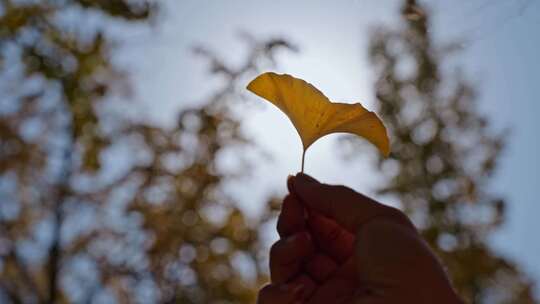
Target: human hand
{"points": [[338, 246]]}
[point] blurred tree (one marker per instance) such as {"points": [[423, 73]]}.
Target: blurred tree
{"points": [[443, 155], [96, 205]]}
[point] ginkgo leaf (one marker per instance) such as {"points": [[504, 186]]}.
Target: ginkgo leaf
{"points": [[314, 115]]}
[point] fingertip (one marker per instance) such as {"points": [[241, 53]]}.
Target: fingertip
{"points": [[302, 184], [305, 178], [301, 240], [310, 192], [320, 267], [290, 181], [308, 287]]}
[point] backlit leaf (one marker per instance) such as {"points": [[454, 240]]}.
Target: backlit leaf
{"points": [[314, 115]]}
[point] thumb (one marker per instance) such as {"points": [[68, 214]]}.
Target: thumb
{"points": [[347, 207]]}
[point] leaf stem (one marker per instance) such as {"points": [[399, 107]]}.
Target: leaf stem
{"points": [[303, 158]]}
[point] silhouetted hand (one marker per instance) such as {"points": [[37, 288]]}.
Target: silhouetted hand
{"points": [[338, 246]]}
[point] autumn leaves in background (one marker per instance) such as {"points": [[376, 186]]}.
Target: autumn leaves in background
{"points": [[314, 115]]}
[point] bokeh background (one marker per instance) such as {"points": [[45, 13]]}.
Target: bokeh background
{"points": [[135, 167]]}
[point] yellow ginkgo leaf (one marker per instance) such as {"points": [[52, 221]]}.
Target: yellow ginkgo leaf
{"points": [[314, 115]]}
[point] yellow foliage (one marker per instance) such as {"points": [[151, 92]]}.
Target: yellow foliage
{"points": [[314, 115]]}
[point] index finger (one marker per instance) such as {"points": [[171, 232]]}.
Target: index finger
{"points": [[292, 217]]}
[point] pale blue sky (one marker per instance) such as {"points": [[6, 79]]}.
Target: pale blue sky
{"points": [[501, 45]]}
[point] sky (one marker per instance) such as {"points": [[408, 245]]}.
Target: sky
{"points": [[500, 41]]}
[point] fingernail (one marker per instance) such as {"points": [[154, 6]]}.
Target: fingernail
{"points": [[298, 291], [296, 288], [300, 235], [290, 180], [292, 238], [284, 287]]}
